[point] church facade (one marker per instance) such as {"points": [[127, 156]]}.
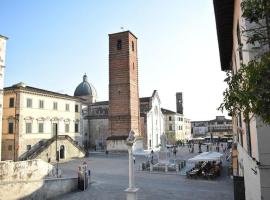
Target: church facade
{"points": [[96, 124]]}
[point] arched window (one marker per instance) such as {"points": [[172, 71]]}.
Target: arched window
{"points": [[132, 46], [119, 44]]}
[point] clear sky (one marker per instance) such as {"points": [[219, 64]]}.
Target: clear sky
{"points": [[53, 43]]}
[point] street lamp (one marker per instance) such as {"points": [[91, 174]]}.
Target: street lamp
{"points": [[56, 149], [55, 134]]}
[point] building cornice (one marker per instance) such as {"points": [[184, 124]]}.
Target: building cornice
{"points": [[4, 37], [40, 92]]}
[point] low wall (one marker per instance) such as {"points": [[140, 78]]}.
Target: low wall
{"points": [[117, 145], [39, 189], [24, 170]]}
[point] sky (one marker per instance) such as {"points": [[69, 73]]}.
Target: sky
{"points": [[53, 43]]}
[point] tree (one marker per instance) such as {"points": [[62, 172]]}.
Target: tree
{"points": [[249, 89], [257, 13]]}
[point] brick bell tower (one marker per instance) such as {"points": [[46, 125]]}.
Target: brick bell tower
{"points": [[124, 112]]}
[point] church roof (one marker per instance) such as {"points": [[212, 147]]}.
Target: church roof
{"points": [[85, 88], [165, 111], [145, 99]]}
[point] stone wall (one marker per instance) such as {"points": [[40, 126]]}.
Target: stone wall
{"points": [[99, 132], [116, 145], [39, 189], [24, 170], [25, 180]]}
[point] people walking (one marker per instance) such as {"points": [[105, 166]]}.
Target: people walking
{"points": [[174, 151]]}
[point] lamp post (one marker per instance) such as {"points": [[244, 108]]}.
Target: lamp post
{"points": [[131, 190], [56, 148]]}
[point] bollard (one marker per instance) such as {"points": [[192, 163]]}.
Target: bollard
{"points": [[166, 168], [151, 167], [177, 168], [89, 176]]}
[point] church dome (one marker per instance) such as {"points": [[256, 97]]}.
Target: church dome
{"points": [[86, 90]]}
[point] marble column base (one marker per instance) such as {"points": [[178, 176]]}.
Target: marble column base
{"points": [[132, 193]]}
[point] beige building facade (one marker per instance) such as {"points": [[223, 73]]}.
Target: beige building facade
{"points": [[251, 152], [3, 40], [176, 126], [32, 116]]}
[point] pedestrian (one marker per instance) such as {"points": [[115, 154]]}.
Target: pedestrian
{"points": [[200, 147], [134, 159], [152, 157], [174, 151], [207, 148]]}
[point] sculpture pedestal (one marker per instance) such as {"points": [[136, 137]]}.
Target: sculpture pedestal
{"points": [[163, 157], [131, 193]]}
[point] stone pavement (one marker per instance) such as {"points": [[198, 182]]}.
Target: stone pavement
{"points": [[110, 179]]}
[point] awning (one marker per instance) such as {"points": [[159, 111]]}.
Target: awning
{"points": [[198, 138], [207, 156]]}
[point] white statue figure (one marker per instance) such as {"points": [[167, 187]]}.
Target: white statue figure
{"points": [[131, 137]]}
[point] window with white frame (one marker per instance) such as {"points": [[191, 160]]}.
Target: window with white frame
{"points": [[28, 127], [41, 127], [76, 108], [55, 106], [41, 104], [67, 107], [11, 102], [29, 103], [10, 127], [67, 128]]}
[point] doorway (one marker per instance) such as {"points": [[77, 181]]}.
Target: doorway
{"points": [[62, 152]]}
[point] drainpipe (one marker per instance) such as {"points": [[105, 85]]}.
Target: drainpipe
{"points": [[16, 132], [88, 121]]}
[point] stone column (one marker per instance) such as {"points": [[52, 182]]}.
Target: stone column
{"points": [[131, 190], [131, 167]]}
